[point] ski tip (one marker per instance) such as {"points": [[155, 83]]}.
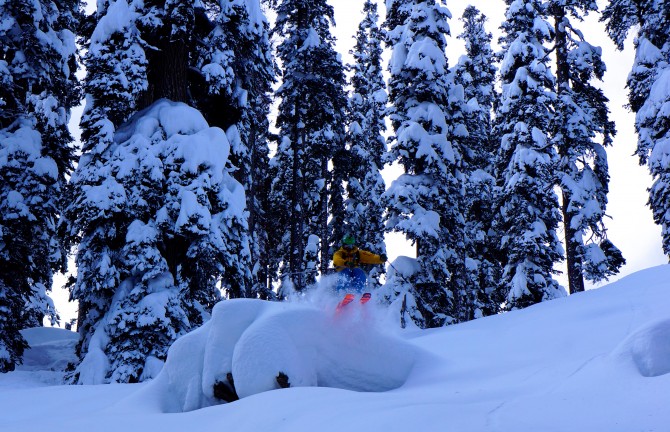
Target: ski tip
{"points": [[345, 301]]}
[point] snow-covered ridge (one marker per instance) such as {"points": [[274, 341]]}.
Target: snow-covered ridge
{"points": [[596, 361]]}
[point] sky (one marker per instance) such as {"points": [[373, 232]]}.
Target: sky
{"points": [[631, 227], [568, 364]]}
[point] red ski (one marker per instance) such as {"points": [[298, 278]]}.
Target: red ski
{"points": [[349, 298], [345, 301]]}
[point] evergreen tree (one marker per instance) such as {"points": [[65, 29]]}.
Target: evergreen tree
{"points": [[424, 202], [528, 211], [581, 114], [311, 124], [158, 217], [38, 88], [475, 72], [116, 73], [239, 71], [648, 92], [367, 146], [260, 75]]}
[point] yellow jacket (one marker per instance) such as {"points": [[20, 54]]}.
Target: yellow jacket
{"points": [[342, 257]]}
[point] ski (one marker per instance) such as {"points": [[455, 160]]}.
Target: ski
{"points": [[345, 301], [349, 298]]}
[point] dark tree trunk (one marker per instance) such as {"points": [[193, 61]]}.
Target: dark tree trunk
{"points": [[297, 209], [575, 277], [253, 205], [167, 73], [323, 218], [573, 261]]}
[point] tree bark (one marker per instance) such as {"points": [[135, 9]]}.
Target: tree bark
{"points": [[323, 217], [167, 73], [573, 261], [297, 209]]}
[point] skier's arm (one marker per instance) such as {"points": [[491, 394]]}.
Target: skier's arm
{"points": [[370, 258]]}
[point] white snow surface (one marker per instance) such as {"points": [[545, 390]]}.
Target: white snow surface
{"points": [[597, 360], [120, 14]]}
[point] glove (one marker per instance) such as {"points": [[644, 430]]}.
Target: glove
{"points": [[351, 264], [383, 257]]}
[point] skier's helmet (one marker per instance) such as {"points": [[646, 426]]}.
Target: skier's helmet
{"points": [[348, 240]]}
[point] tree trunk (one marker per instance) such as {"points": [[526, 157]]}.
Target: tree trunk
{"points": [[297, 209], [573, 261], [575, 277], [167, 73], [323, 218]]}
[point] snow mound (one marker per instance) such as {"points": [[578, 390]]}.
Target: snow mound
{"points": [[649, 348], [254, 341]]}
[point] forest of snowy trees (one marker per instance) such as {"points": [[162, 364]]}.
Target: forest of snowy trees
{"points": [[224, 155]]}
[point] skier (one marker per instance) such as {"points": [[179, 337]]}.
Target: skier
{"points": [[346, 260]]}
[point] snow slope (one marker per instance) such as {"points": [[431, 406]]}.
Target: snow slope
{"points": [[598, 360]]}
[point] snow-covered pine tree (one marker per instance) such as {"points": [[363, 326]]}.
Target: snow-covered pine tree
{"points": [[475, 72], [38, 88], [239, 70], [366, 145], [582, 116], [159, 219], [259, 72], [423, 203], [649, 93], [452, 215], [311, 124], [528, 211], [94, 220]]}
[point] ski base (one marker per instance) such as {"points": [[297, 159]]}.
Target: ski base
{"points": [[349, 298], [345, 301]]}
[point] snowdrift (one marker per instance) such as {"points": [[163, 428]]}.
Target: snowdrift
{"points": [[649, 349], [595, 361], [252, 346]]}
